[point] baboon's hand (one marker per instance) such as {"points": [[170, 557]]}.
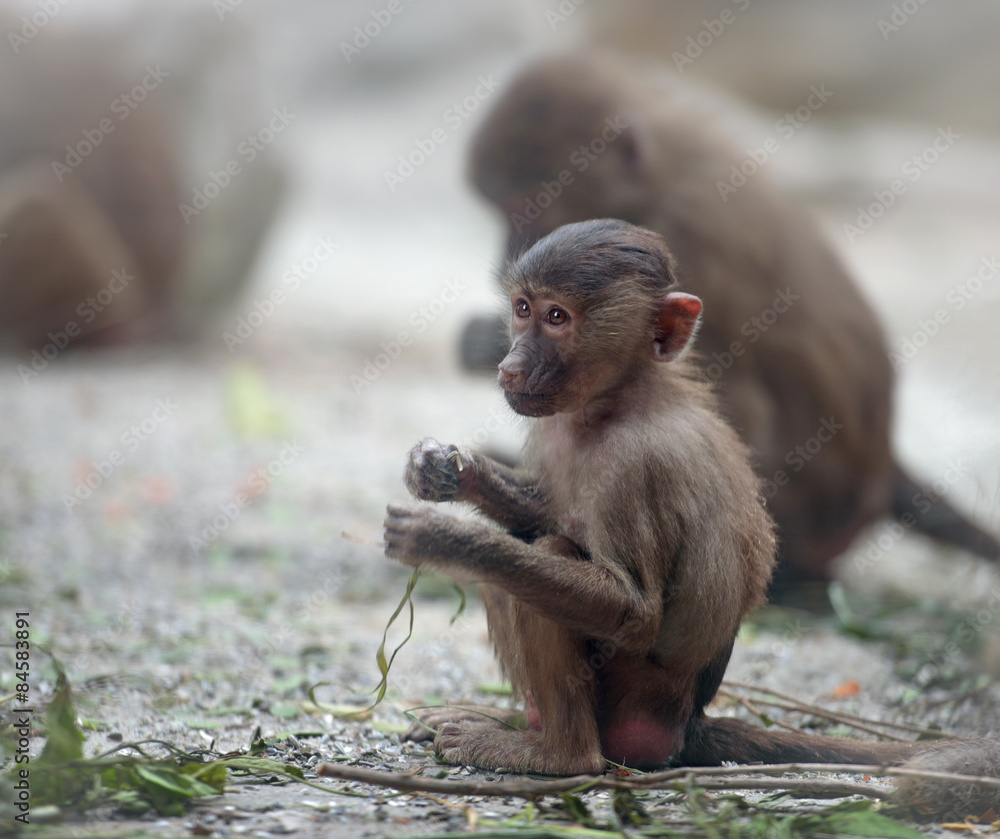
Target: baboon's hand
{"points": [[432, 471], [418, 535], [413, 534]]}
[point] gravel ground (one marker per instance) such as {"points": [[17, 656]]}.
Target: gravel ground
{"points": [[200, 645]]}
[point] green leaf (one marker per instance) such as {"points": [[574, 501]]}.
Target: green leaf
{"points": [[131, 801], [380, 659], [253, 409], [461, 603], [495, 688], [212, 773], [285, 711], [875, 825], [171, 781], [65, 740], [390, 727], [263, 765], [340, 712], [858, 818], [577, 810], [407, 600], [628, 808]]}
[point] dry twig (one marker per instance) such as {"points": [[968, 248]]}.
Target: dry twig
{"points": [[714, 778], [753, 709], [843, 717]]}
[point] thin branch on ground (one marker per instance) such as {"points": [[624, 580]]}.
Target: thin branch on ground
{"points": [[715, 778], [843, 717], [757, 712], [816, 711]]}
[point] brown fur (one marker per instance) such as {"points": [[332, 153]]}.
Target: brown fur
{"points": [[823, 358], [632, 544], [636, 495], [926, 799]]}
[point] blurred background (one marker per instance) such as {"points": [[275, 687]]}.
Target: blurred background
{"points": [[181, 457]]}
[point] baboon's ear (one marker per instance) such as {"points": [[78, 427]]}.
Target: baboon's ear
{"points": [[676, 325]]}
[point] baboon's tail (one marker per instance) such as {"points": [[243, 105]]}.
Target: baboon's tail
{"points": [[710, 742], [935, 517]]}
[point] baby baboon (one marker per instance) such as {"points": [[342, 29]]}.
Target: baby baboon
{"points": [[631, 544]]}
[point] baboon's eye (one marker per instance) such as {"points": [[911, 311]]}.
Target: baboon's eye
{"points": [[557, 316]]}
